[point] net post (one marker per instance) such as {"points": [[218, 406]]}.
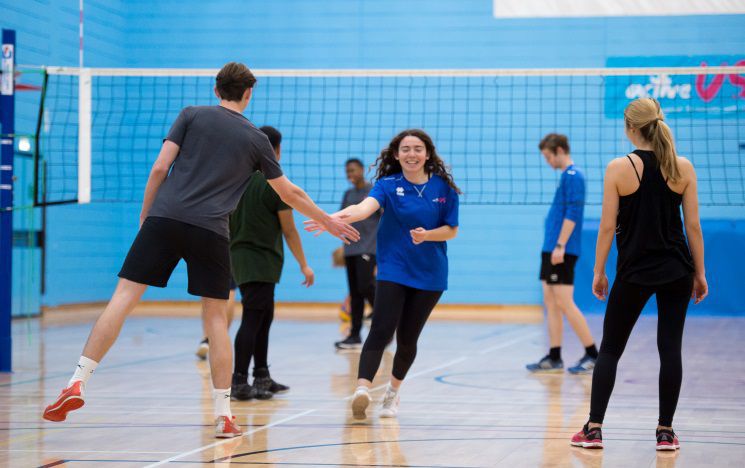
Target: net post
{"points": [[84, 136], [37, 140], [7, 116]]}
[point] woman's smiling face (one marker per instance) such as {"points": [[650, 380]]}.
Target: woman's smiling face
{"points": [[412, 154]]}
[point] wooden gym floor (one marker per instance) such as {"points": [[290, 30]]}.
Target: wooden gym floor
{"points": [[467, 402]]}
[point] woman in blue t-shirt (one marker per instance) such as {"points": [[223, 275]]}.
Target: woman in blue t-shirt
{"points": [[420, 213]]}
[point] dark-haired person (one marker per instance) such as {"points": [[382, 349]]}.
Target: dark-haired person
{"points": [[420, 213], [561, 248], [256, 229], [359, 258], [642, 196], [196, 182]]}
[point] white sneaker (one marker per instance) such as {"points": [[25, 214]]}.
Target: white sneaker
{"points": [[203, 349], [390, 404], [360, 402]]}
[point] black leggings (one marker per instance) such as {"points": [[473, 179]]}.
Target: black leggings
{"points": [[252, 339], [361, 280], [401, 310], [625, 304]]}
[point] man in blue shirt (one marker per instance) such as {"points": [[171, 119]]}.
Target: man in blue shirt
{"points": [[561, 247]]}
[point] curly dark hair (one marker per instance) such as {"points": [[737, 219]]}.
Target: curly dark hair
{"points": [[387, 164]]}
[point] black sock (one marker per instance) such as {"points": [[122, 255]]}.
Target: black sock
{"points": [[555, 353], [592, 351]]}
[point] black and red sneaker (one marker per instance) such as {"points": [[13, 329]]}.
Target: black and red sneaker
{"points": [[590, 438], [667, 440]]}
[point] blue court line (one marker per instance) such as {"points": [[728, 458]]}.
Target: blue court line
{"points": [[343, 464], [60, 462], [477, 427], [238, 462], [459, 439], [103, 370], [113, 426], [496, 428], [442, 379]]}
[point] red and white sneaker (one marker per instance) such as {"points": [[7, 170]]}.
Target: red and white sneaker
{"points": [[588, 438], [667, 440], [70, 399], [226, 428]]}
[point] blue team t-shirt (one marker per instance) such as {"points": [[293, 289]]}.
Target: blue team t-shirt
{"points": [[407, 206], [569, 203]]}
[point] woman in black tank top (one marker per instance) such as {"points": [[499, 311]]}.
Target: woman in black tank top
{"points": [[643, 194], [652, 248]]}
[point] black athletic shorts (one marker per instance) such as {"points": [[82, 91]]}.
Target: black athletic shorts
{"points": [[563, 273], [162, 242]]}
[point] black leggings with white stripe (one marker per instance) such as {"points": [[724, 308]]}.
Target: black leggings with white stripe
{"points": [[401, 310], [625, 304]]}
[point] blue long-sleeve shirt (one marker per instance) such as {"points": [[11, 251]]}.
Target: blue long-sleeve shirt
{"points": [[569, 203]]}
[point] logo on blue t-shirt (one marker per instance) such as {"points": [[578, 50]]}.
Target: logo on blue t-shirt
{"points": [[400, 191]]}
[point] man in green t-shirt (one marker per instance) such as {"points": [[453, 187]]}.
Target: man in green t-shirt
{"points": [[257, 254]]}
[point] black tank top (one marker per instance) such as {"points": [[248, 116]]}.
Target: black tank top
{"points": [[652, 248]]}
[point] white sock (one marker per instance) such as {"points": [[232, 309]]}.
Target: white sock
{"points": [[362, 388], [391, 389], [84, 370], [222, 402]]}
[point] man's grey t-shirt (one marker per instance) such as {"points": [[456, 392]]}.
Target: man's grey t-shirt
{"points": [[368, 228], [219, 150]]}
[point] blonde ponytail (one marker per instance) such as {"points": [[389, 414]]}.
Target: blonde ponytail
{"points": [[646, 116], [664, 149]]}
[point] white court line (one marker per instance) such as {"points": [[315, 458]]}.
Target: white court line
{"points": [[505, 344], [282, 421], [207, 447]]}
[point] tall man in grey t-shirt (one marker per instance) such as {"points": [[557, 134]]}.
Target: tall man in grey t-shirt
{"points": [[200, 174], [359, 258]]}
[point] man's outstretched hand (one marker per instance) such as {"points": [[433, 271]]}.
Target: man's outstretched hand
{"points": [[336, 226]]}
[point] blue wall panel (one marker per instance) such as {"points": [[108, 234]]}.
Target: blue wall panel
{"points": [[725, 257], [47, 34]]}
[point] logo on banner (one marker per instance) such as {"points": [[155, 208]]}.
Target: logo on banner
{"points": [[6, 84], [698, 95]]}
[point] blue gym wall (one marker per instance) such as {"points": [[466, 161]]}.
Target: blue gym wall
{"points": [[495, 258]]}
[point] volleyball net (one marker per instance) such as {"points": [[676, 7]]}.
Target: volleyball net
{"points": [[100, 130]]}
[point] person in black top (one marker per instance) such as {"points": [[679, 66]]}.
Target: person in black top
{"points": [[359, 258], [642, 195]]}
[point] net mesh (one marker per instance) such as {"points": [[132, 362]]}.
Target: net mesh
{"points": [[486, 127]]}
